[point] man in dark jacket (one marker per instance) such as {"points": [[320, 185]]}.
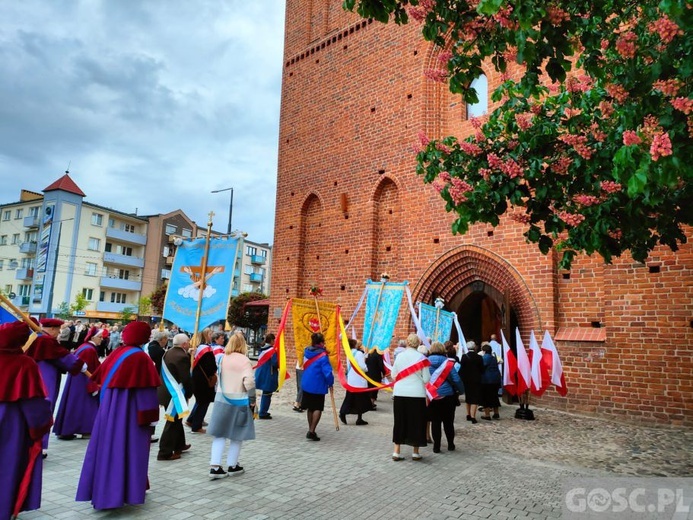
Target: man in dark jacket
{"points": [[267, 375], [157, 347], [177, 361]]}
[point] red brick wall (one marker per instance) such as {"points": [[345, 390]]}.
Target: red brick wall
{"points": [[353, 100]]}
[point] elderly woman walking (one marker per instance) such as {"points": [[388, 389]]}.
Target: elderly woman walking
{"points": [[234, 406], [410, 372]]}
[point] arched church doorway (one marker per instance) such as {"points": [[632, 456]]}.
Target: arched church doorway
{"points": [[485, 291]]}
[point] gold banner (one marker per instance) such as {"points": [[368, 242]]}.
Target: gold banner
{"points": [[306, 321]]}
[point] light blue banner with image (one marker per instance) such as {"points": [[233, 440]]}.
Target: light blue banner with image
{"points": [[183, 291], [436, 323], [383, 301]]}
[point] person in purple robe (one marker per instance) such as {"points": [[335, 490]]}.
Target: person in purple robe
{"points": [[114, 472], [80, 401], [53, 359], [25, 416]]}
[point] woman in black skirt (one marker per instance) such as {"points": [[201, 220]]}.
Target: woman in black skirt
{"points": [[375, 371], [490, 383], [471, 368], [410, 399], [356, 403]]}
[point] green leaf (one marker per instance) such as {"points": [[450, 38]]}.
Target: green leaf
{"points": [[489, 7]]}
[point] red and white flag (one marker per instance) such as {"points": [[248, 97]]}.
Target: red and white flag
{"points": [[524, 369], [539, 372], [509, 367], [550, 352]]}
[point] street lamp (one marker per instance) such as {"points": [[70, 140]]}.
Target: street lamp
{"points": [[228, 230]]}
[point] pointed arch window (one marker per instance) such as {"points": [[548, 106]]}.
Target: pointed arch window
{"points": [[480, 108]]}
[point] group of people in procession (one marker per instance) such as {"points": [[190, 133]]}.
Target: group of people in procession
{"points": [[114, 400]]}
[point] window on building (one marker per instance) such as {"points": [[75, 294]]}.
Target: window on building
{"points": [[102, 296], [480, 108], [118, 298], [15, 239], [111, 222], [6, 214], [166, 251], [97, 219], [127, 251], [24, 290], [91, 269], [250, 250], [2, 263], [18, 213], [88, 294], [8, 289], [248, 269], [13, 264], [30, 236], [263, 253], [128, 228], [3, 240], [165, 274], [108, 247], [123, 274], [171, 229], [33, 212], [94, 244], [187, 233], [247, 287], [27, 263]]}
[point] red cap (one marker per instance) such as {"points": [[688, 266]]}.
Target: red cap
{"points": [[136, 333], [51, 322], [13, 336]]}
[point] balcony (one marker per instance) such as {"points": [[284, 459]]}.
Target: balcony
{"points": [[131, 261], [165, 274], [113, 307], [256, 277], [32, 221], [120, 283], [21, 301], [169, 260], [28, 248], [26, 273], [126, 236], [235, 292], [258, 260]]}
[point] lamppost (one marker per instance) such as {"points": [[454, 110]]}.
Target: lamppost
{"points": [[228, 230]]}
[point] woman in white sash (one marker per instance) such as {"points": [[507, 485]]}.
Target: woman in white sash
{"points": [[410, 372]]}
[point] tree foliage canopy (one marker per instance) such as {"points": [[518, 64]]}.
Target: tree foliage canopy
{"points": [[590, 147], [252, 317]]}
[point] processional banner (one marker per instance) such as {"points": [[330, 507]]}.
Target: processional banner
{"points": [[307, 320], [436, 323], [383, 301], [183, 294]]}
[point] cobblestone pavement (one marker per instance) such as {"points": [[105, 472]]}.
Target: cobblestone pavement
{"points": [[500, 469]]}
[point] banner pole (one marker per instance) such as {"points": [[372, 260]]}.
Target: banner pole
{"points": [[203, 281], [18, 313]]}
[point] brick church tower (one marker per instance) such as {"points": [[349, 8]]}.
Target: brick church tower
{"points": [[350, 207]]}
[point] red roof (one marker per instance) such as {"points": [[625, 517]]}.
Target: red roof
{"points": [[65, 183], [258, 303]]}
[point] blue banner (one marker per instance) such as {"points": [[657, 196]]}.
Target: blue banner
{"points": [[436, 323], [382, 308], [6, 316], [183, 291]]}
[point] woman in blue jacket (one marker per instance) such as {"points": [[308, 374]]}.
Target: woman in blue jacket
{"points": [[267, 377], [316, 381], [442, 408]]}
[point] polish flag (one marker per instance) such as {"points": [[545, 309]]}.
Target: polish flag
{"points": [[549, 352], [539, 370], [509, 367], [524, 369]]}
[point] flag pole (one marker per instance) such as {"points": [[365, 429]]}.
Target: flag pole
{"points": [[203, 281]]}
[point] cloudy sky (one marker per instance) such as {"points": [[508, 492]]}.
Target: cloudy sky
{"points": [[152, 103]]}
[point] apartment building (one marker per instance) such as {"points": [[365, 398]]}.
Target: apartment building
{"points": [[56, 245]]}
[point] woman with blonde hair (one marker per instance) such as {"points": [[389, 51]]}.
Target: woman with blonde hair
{"points": [[234, 407]]}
